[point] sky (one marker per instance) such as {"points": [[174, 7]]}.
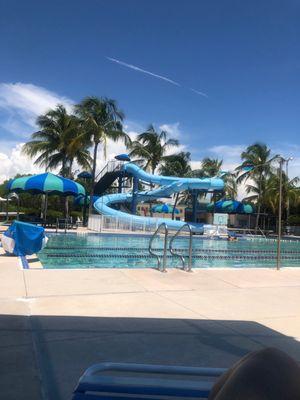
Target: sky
{"points": [[217, 75]]}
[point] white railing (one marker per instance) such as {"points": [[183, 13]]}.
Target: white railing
{"points": [[111, 166], [101, 223]]}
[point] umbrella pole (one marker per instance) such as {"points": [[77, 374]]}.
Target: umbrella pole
{"points": [[18, 208], [7, 208], [42, 206], [85, 209], [195, 198], [66, 208], [45, 209]]}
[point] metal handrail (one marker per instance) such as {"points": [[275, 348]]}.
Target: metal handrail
{"points": [[173, 252], [101, 173], [164, 264], [109, 167], [262, 232]]}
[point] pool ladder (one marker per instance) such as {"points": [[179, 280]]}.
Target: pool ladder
{"points": [[162, 267], [185, 267], [162, 260]]}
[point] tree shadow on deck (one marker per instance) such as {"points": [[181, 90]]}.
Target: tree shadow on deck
{"points": [[44, 356]]}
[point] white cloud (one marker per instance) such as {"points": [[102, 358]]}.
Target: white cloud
{"points": [[14, 162], [113, 149], [228, 151], [290, 150], [294, 167], [172, 130], [21, 103]]}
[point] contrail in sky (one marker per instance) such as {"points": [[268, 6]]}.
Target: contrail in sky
{"points": [[144, 71], [198, 92]]}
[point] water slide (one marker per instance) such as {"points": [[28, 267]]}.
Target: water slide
{"points": [[168, 185]]}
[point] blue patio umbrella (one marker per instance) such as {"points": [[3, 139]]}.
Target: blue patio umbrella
{"points": [[164, 208], [230, 207], [248, 209], [46, 183], [85, 175]]}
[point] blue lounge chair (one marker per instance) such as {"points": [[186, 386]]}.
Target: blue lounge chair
{"points": [[114, 381]]}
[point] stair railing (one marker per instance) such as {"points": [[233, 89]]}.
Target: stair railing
{"points": [[109, 167], [185, 267], [161, 260]]}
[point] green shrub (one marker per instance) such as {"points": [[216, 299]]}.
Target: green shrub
{"points": [[76, 214], [53, 214], [294, 220]]}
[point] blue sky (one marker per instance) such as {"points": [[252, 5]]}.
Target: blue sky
{"points": [[244, 56]]}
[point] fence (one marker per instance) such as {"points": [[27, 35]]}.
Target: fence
{"points": [[101, 223]]}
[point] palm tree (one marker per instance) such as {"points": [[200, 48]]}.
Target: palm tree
{"points": [[152, 146], [211, 166], [102, 120], [176, 164], [230, 185], [56, 143], [256, 166], [290, 193]]}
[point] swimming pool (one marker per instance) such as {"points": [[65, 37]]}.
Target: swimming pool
{"points": [[131, 251]]}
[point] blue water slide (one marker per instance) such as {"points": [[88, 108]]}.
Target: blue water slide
{"points": [[167, 186]]}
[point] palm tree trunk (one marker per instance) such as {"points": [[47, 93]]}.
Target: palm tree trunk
{"points": [[68, 172], [151, 187], [62, 199], [258, 204], [93, 178], [257, 218]]}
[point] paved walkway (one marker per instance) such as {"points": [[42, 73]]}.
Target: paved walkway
{"points": [[54, 324]]}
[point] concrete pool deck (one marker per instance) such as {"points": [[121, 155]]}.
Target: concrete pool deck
{"points": [[55, 323]]}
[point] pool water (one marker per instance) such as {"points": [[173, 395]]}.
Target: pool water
{"points": [[131, 251]]}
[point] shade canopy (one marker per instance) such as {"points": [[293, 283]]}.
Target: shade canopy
{"points": [[122, 157], [85, 175], [164, 208], [230, 207], [46, 183]]}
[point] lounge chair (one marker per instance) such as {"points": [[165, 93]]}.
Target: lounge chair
{"points": [[114, 381]]}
